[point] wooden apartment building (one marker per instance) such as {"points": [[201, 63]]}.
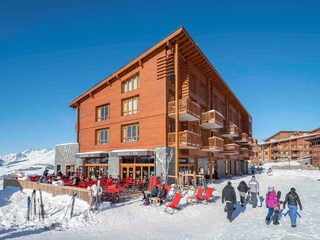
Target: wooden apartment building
{"points": [[122, 120], [287, 145]]}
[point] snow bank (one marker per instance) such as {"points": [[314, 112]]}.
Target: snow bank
{"points": [[132, 220]]}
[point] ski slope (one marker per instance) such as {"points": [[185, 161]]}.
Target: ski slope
{"points": [[133, 220]]}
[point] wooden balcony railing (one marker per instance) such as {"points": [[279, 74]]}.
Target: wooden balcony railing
{"points": [[188, 110], [231, 148], [216, 144], [212, 119], [244, 137], [187, 140], [244, 151], [233, 131]]}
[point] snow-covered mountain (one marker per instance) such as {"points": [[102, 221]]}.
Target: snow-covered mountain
{"points": [[31, 161]]}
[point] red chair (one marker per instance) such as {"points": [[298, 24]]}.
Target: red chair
{"points": [[174, 203], [207, 195], [197, 196]]}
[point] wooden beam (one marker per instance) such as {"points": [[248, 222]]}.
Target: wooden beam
{"points": [[176, 73]]}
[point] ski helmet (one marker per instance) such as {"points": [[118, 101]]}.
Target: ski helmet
{"points": [[270, 188]]}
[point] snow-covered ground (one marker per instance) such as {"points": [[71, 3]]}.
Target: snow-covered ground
{"points": [[133, 220]]}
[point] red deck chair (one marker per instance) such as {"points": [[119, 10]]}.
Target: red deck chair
{"points": [[207, 195], [174, 203], [197, 196]]}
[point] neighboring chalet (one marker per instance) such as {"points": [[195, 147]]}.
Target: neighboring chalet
{"points": [[287, 145], [168, 108]]}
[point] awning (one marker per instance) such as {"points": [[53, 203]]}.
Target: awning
{"points": [[98, 154]]}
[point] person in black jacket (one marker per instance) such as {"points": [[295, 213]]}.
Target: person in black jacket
{"points": [[243, 189], [292, 198], [229, 196]]}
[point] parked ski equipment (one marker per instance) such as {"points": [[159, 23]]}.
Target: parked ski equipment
{"points": [[41, 205], [65, 214], [34, 201], [28, 205], [72, 205]]}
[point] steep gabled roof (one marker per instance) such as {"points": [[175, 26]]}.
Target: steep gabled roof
{"points": [[188, 50]]}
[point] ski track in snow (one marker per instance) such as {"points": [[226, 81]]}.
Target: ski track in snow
{"points": [[132, 220]]}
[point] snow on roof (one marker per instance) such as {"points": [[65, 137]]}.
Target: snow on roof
{"points": [[62, 144]]}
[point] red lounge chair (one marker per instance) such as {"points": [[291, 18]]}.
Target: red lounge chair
{"points": [[207, 195], [174, 203], [197, 196]]}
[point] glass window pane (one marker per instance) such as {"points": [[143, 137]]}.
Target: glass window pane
{"points": [[130, 107], [129, 131], [134, 132]]}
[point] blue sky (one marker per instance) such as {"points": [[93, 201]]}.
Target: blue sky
{"points": [[52, 51]]}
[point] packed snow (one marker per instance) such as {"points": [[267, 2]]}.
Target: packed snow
{"points": [[133, 220]]}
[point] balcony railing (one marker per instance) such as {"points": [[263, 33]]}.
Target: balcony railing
{"points": [[211, 119], [187, 140], [243, 139], [231, 148], [216, 144], [244, 151], [188, 110], [233, 131]]}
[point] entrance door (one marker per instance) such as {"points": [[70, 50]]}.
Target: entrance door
{"points": [[126, 172]]}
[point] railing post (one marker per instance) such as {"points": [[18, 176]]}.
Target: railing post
{"points": [[176, 73]]}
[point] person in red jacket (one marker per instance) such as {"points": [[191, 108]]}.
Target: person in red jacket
{"points": [[271, 201]]}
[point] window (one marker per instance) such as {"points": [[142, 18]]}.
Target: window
{"points": [[102, 136], [103, 113], [130, 133], [130, 106], [131, 84]]}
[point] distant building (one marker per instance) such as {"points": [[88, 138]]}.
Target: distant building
{"points": [[315, 149], [287, 145], [125, 124]]}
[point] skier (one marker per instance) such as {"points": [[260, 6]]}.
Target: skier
{"points": [[271, 201], [243, 189], [229, 196], [254, 190], [292, 198]]}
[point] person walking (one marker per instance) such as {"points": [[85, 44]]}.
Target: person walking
{"points": [[229, 196], [271, 201], [254, 190], [292, 198], [243, 189]]}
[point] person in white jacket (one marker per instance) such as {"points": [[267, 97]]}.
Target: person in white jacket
{"points": [[254, 190]]}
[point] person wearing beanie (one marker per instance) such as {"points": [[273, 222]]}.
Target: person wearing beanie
{"points": [[271, 201], [254, 190], [229, 196], [292, 198]]}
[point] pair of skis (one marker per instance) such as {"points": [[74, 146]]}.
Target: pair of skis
{"points": [[32, 206], [71, 212]]}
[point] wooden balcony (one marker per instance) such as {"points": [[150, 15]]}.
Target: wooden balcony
{"points": [[211, 119], [244, 151], [233, 131], [244, 138], [216, 144], [187, 140], [231, 149], [188, 110]]}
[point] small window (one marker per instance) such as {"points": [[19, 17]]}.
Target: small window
{"points": [[130, 133], [131, 106], [102, 136], [131, 84], [103, 113]]}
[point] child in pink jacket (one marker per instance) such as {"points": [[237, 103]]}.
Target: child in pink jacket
{"points": [[271, 202]]}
